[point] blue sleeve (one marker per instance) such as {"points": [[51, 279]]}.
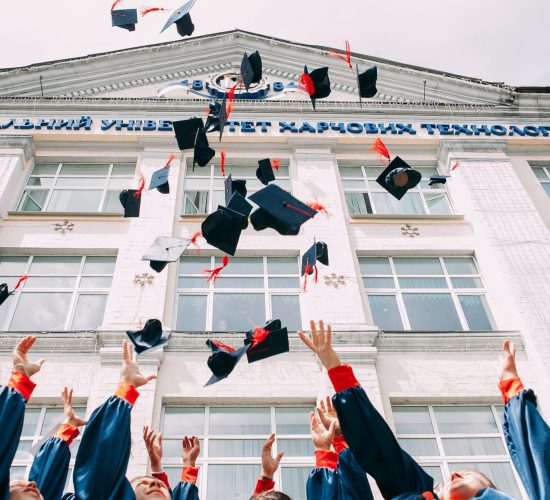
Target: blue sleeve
{"points": [[322, 484], [353, 479], [375, 447], [50, 468], [528, 439], [185, 491]]}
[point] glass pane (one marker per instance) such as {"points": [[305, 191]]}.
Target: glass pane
{"points": [[224, 282], [14, 266], [292, 420], [465, 419], [84, 169], [30, 423], [231, 481], [287, 309], [417, 265], [174, 474], [240, 421], [112, 205], [296, 447], [420, 447], [92, 182], [438, 204], [358, 203], [24, 451], [546, 187], [96, 282], [194, 265], [235, 447], [435, 472], [124, 169], [191, 313], [378, 283], [74, 201], [385, 312], [51, 282], [89, 312], [237, 311], [183, 421], [99, 265], [431, 312], [540, 173], [53, 418], [460, 265], [49, 312], [172, 448], [45, 169], [40, 181], [18, 473], [294, 481], [282, 265], [33, 200], [244, 265], [423, 283], [284, 282], [467, 283], [350, 172], [410, 204], [61, 266], [189, 282], [353, 185], [374, 265], [477, 312], [473, 446], [412, 420], [119, 182], [501, 474], [195, 202]]}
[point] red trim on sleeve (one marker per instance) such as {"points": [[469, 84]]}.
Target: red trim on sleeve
{"points": [[339, 443], [22, 384], [510, 387], [264, 485], [342, 378], [68, 433], [127, 392], [428, 495], [162, 476], [189, 474], [326, 458]]}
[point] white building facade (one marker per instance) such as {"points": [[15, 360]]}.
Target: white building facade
{"points": [[420, 293]]}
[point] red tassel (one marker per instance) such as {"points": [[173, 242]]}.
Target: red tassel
{"points": [[229, 102], [141, 187], [346, 58], [275, 164], [297, 209], [147, 10], [222, 164], [307, 271], [221, 345], [171, 158], [379, 147], [259, 335], [115, 4], [23, 278], [306, 84], [213, 274], [318, 207], [456, 165]]}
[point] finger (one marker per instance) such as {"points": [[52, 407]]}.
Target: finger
{"points": [[332, 428], [159, 439], [149, 378], [279, 456], [321, 332], [40, 362], [185, 442], [513, 349], [125, 356], [145, 431], [329, 336], [322, 406], [314, 336], [506, 346], [329, 404], [134, 357], [307, 341]]}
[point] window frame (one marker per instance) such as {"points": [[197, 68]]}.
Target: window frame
{"points": [[542, 182]]}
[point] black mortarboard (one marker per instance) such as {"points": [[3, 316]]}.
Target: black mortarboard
{"points": [[223, 360], [130, 202], [186, 132], [164, 250], [159, 180], [366, 82], [234, 185], [264, 346], [321, 83], [400, 172], [318, 252], [151, 336], [251, 69], [279, 210], [222, 228], [203, 152], [213, 118], [125, 18], [4, 293], [182, 18], [438, 179], [264, 172]]}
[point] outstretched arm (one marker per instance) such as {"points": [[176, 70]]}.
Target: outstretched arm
{"points": [[270, 465], [186, 488]]}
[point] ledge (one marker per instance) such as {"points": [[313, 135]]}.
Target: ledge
{"points": [[13, 215], [198, 217], [358, 219]]}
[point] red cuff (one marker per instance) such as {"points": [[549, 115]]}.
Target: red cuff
{"points": [[127, 392], [342, 378], [189, 474], [339, 443], [22, 384], [163, 477], [264, 485], [510, 387], [68, 433], [326, 458]]}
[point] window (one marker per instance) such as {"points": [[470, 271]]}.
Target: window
{"points": [[204, 188], [249, 291], [76, 187], [62, 293], [450, 438], [231, 444], [543, 175], [426, 293], [365, 196], [39, 422]]}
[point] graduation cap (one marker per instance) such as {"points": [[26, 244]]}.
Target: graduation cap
{"points": [[398, 177], [124, 18], [266, 341], [159, 179], [366, 82], [317, 253], [213, 118], [131, 201], [279, 210], [150, 337], [264, 172], [182, 19], [203, 152], [186, 132], [5, 293], [223, 360], [316, 83], [438, 179], [232, 186], [165, 250], [251, 69]]}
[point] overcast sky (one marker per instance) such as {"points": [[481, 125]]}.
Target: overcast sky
{"points": [[496, 40]]}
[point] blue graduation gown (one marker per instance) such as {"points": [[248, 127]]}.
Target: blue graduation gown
{"points": [[50, 468], [322, 483], [185, 491], [485, 494]]}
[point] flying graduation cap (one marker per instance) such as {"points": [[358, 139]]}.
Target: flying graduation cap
{"points": [[316, 83], [232, 185], [438, 179], [149, 337], [267, 341], [317, 253], [123, 18], [182, 19], [217, 116], [223, 360], [264, 172], [164, 250], [190, 134], [130, 199], [251, 69], [366, 82], [5, 293], [159, 179]]}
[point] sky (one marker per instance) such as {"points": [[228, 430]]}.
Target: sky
{"points": [[495, 40]]}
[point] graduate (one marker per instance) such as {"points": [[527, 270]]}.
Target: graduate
{"points": [[265, 485], [375, 447], [527, 434]]}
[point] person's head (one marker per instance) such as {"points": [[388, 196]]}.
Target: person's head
{"points": [[271, 495], [464, 484], [147, 487], [24, 490]]}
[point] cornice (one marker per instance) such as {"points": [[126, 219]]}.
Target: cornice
{"points": [[446, 147], [24, 142]]}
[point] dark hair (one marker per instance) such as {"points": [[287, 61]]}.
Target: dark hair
{"points": [[491, 484], [271, 495]]}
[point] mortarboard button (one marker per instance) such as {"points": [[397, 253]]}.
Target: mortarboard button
{"points": [[267, 341], [159, 180], [164, 250], [182, 18], [264, 172], [150, 337], [366, 82], [222, 229], [223, 360], [398, 177], [124, 18], [203, 152], [317, 83], [130, 202], [438, 179], [186, 132], [234, 185], [251, 69]]}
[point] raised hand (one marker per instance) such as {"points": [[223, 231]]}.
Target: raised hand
{"points": [[321, 344], [70, 416], [130, 372], [19, 357], [270, 464], [153, 443], [327, 415], [322, 438], [508, 361], [191, 450]]}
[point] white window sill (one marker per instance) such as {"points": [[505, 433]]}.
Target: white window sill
{"points": [[358, 218], [12, 215]]}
